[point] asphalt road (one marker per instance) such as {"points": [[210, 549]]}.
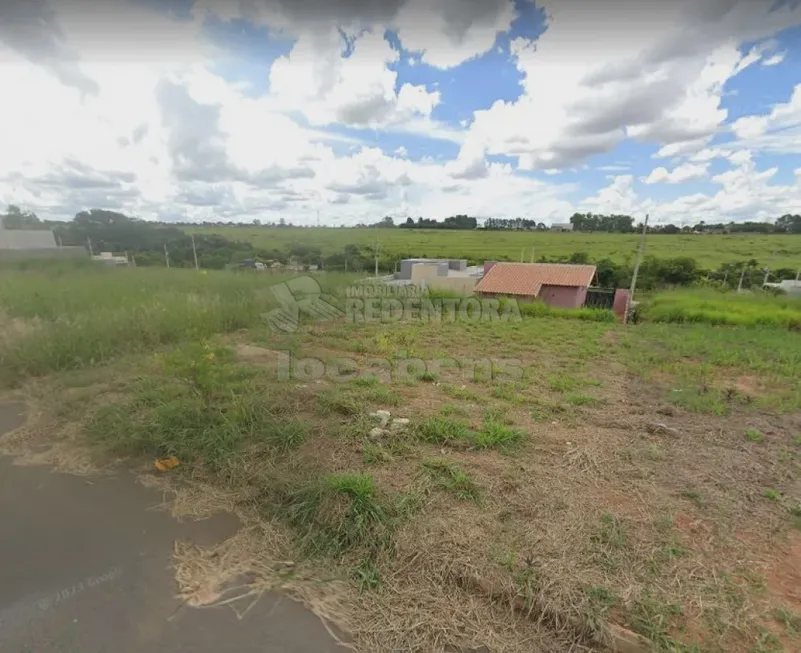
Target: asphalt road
{"points": [[84, 568]]}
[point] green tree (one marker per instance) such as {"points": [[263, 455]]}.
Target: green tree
{"points": [[15, 218], [789, 223]]}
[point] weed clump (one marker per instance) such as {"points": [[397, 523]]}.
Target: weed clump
{"points": [[445, 475], [337, 514], [200, 408], [494, 434]]}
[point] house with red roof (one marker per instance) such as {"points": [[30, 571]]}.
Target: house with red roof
{"points": [[557, 284]]}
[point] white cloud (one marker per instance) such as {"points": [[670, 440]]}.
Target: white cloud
{"points": [[686, 148], [774, 60], [618, 197], [358, 90], [119, 106], [708, 154], [656, 73], [450, 32], [470, 163], [781, 116], [745, 193], [680, 174]]}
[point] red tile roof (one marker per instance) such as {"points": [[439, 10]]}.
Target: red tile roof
{"points": [[528, 278]]}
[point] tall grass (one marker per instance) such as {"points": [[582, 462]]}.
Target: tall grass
{"points": [[335, 514], [541, 309], [752, 309], [701, 363], [54, 319], [200, 407]]}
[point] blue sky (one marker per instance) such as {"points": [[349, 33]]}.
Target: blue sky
{"points": [[509, 107]]}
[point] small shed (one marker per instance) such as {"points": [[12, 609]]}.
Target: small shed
{"points": [[557, 284]]}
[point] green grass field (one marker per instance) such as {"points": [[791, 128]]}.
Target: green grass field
{"points": [[711, 307], [709, 250], [547, 476]]}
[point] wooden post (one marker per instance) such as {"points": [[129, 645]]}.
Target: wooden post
{"points": [[740, 284], [194, 252], [522, 254], [166, 255], [636, 267], [532, 254], [767, 276]]}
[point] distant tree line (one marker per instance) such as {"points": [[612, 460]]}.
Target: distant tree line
{"points": [[513, 224], [622, 224], [679, 271], [109, 231], [589, 222], [582, 222], [145, 241]]}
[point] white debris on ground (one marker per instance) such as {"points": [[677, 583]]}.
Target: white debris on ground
{"points": [[399, 424], [384, 418]]}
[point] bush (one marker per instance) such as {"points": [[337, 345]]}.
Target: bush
{"points": [[541, 309], [337, 513], [737, 309]]}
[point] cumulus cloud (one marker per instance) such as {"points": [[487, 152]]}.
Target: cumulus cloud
{"points": [[618, 197], [124, 104], [745, 192], [450, 32], [31, 28], [775, 59], [782, 115], [682, 173], [358, 90], [656, 73]]}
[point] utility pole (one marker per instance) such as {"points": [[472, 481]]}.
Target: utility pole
{"points": [[377, 250], [194, 253], [532, 254], [58, 238], [318, 218], [637, 266], [89, 245], [166, 255]]}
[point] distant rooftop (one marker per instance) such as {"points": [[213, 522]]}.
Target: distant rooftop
{"points": [[528, 278]]}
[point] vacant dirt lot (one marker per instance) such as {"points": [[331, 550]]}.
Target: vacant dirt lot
{"points": [[547, 481]]}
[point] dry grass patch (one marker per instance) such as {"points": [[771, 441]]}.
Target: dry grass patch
{"points": [[525, 514]]}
